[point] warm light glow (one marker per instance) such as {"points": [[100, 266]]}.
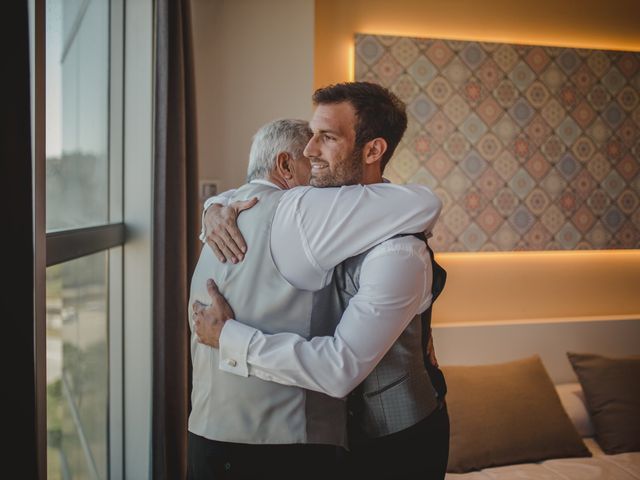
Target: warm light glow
{"points": [[599, 25], [565, 40], [530, 286], [547, 320], [551, 255], [351, 55]]}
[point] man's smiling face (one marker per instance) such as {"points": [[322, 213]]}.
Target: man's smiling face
{"points": [[334, 159]]}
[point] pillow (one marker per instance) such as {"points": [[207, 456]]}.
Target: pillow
{"points": [[572, 398], [612, 390], [504, 414]]}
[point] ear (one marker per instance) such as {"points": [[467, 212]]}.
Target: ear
{"points": [[284, 165], [374, 150]]}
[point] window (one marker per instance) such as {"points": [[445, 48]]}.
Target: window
{"points": [[83, 215], [92, 130]]}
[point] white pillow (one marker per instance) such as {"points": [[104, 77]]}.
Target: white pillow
{"points": [[572, 398]]}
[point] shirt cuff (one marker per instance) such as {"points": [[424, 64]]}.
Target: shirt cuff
{"points": [[234, 346]]}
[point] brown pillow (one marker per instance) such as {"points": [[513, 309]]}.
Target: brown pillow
{"points": [[506, 413], [612, 391]]}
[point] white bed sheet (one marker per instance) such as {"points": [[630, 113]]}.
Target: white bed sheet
{"points": [[623, 466]]}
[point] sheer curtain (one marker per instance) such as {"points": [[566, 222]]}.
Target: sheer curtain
{"points": [[175, 237]]}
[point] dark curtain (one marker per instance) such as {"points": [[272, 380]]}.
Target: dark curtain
{"points": [[17, 299], [175, 236]]}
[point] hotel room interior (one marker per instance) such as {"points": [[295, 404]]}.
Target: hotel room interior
{"points": [[524, 118]]}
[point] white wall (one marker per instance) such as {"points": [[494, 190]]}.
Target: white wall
{"points": [[254, 63]]}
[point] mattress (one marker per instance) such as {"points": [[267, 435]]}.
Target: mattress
{"points": [[623, 466]]}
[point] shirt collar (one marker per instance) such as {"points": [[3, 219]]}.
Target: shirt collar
{"points": [[262, 181]]}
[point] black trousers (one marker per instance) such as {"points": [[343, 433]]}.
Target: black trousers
{"points": [[418, 452], [213, 460]]}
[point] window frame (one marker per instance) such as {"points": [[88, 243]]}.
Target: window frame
{"points": [[126, 238]]}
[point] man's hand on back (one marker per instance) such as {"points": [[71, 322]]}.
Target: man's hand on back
{"points": [[209, 319], [222, 233]]}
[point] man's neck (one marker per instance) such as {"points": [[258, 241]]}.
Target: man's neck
{"points": [[277, 180], [371, 176]]}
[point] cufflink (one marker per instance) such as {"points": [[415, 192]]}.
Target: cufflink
{"points": [[231, 362]]}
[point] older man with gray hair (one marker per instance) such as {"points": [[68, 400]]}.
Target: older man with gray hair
{"points": [[243, 426]]}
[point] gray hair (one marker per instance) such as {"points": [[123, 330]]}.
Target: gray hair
{"points": [[284, 135]]}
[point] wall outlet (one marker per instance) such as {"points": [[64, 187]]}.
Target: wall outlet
{"points": [[209, 188]]}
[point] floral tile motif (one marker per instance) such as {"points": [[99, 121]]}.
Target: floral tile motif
{"points": [[537, 59], [439, 90], [440, 127], [553, 113], [568, 61], [473, 55], [405, 88], [538, 166], [473, 237], [628, 132], [387, 69], [528, 147], [439, 164], [456, 72], [599, 166], [628, 167], [369, 50], [422, 71], [629, 64], [490, 219], [489, 73], [438, 52], [490, 111], [474, 202], [405, 51], [537, 94], [490, 146], [538, 130], [598, 97], [473, 165], [506, 93], [506, 57], [489, 182], [474, 92], [456, 109], [583, 114], [568, 167], [583, 79], [553, 77], [628, 201], [422, 108], [522, 112], [506, 129], [473, 128], [599, 63], [614, 80], [537, 201]]}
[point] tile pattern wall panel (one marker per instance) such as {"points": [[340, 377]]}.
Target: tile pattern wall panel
{"points": [[529, 147]]}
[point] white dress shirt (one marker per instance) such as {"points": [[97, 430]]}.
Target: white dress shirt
{"points": [[333, 224]]}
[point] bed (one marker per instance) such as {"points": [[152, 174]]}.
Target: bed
{"points": [[622, 466], [540, 399]]}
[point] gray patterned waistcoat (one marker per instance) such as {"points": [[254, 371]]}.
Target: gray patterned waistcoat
{"points": [[400, 391], [231, 408]]}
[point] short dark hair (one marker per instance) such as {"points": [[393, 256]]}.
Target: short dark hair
{"points": [[379, 112]]}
